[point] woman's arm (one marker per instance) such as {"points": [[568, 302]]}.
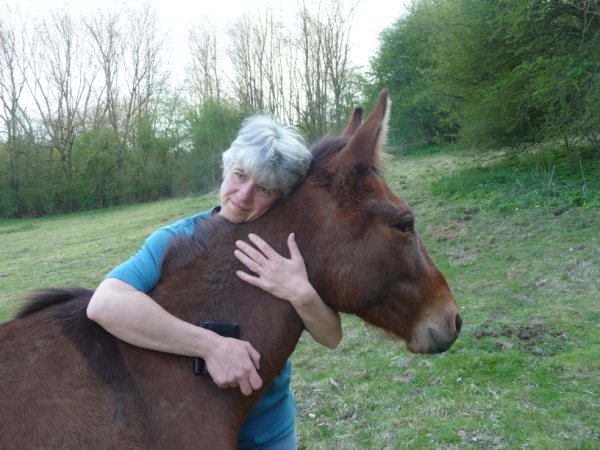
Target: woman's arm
{"points": [[286, 279], [134, 317]]}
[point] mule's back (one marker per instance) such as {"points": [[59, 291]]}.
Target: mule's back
{"points": [[60, 374]]}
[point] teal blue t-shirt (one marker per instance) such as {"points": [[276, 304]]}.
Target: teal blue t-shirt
{"points": [[273, 416]]}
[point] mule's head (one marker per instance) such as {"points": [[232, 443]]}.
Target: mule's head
{"points": [[371, 260]]}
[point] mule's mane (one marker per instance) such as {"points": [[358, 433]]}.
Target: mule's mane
{"points": [[187, 248], [45, 298], [323, 149]]}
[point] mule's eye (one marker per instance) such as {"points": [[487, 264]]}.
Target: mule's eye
{"points": [[407, 224]]}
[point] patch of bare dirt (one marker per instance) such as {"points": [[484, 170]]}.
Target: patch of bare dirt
{"points": [[535, 338]]}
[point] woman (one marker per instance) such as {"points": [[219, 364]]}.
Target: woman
{"points": [[263, 164]]}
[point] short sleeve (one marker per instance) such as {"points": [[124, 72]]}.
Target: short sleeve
{"points": [[142, 270]]}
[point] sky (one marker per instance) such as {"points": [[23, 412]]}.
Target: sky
{"points": [[178, 16]]}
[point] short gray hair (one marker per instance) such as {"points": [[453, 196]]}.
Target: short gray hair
{"points": [[269, 152]]}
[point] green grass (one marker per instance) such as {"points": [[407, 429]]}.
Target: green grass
{"points": [[78, 249], [519, 241]]}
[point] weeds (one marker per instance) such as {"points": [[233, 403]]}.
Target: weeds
{"points": [[552, 180]]}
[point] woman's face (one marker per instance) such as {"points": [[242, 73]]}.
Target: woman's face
{"points": [[242, 198]]}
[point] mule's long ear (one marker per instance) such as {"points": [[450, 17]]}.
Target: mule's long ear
{"points": [[354, 123], [365, 144]]}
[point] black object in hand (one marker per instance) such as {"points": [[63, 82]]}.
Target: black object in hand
{"points": [[231, 330]]}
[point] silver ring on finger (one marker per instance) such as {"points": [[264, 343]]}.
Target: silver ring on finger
{"points": [[259, 269]]}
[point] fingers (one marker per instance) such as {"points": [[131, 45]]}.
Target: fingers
{"points": [[252, 381], [255, 381], [268, 251], [281, 277], [256, 260], [254, 281], [250, 385], [254, 356], [253, 259], [265, 248], [245, 387], [293, 246], [250, 263], [234, 364]]}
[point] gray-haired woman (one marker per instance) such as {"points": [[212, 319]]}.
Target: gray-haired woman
{"points": [[263, 164]]}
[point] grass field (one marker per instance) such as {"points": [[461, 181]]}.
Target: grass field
{"points": [[519, 241]]}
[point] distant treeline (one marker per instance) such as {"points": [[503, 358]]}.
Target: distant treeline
{"points": [[493, 73], [90, 116]]}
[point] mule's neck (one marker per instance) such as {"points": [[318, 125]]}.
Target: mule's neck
{"points": [[207, 289]]}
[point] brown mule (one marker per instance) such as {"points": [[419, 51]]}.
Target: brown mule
{"points": [[67, 383]]}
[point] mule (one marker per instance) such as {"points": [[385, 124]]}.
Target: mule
{"points": [[67, 383]]}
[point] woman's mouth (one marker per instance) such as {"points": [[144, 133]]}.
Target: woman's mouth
{"points": [[238, 206]]}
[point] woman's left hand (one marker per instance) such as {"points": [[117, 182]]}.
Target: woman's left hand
{"points": [[284, 278], [287, 279]]}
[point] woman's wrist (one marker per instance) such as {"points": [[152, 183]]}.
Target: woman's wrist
{"points": [[206, 343], [305, 298]]}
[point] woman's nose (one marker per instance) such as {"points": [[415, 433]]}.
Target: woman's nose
{"points": [[246, 191]]}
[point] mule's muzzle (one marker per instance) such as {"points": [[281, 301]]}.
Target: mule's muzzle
{"points": [[437, 334], [440, 342]]}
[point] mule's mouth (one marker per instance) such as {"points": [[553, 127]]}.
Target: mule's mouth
{"points": [[434, 339], [437, 344], [433, 347]]}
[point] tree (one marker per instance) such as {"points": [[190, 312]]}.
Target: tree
{"points": [[102, 127], [61, 90], [16, 125], [204, 75], [494, 73], [128, 49], [336, 30], [254, 57], [313, 106], [210, 130], [108, 48], [302, 73], [404, 63], [326, 73]]}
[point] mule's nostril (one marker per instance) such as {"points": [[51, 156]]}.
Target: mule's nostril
{"points": [[458, 322]]}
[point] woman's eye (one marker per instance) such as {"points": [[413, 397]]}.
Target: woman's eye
{"points": [[405, 225], [265, 192]]}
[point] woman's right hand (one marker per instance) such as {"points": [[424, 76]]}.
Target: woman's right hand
{"points": [[234, 363]]}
